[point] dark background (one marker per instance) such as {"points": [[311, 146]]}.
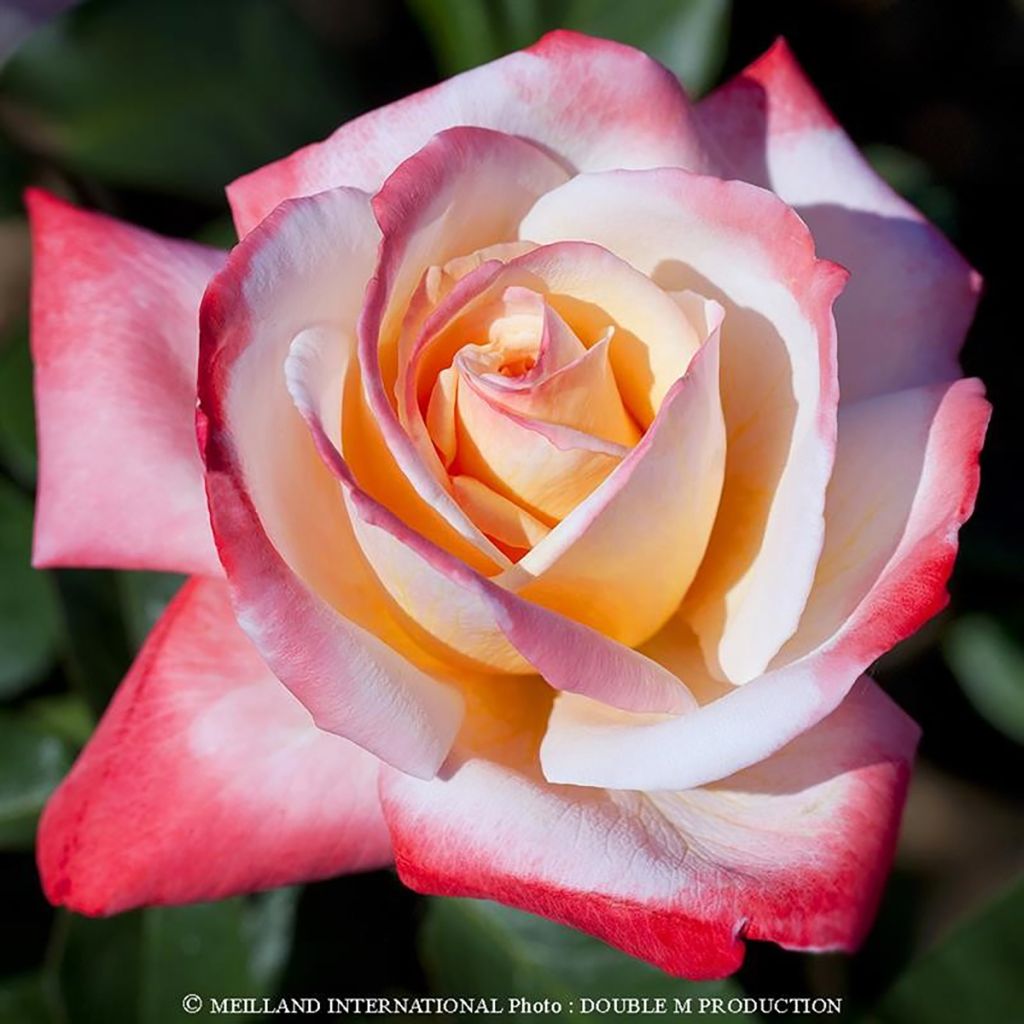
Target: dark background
{"points": [[145, 109]]}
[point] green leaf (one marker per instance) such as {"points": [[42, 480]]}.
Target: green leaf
{"points": [[17, 417], [268, 927], [66, 715], [913, 179], [173, 95], [32, 763], [973, 975], [139, 966], [462, 33], [989, 665], [198, 949], [13, 178], [97, 968], [688, 36], [144, 596], [30, 621], [98, 650], [219, 233], [24, 1000], [477, 948]]}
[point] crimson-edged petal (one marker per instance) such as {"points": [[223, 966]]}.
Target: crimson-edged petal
{"points": [[794, 851], [303, 590], [905, 480], [746, 249], [205, 779], [593, 103], [115, 340], [911, 296]]}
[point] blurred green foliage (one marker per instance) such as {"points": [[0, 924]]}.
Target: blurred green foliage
{"points": [[172, 94], [146, 108], [688, 36], [29, 613], [975, 974], [988, 661], [478, 948]]}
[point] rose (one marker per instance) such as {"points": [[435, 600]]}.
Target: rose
{"points": [[518, 413]]}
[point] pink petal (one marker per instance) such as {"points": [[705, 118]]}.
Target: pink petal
{"points": [[595, 104], [794, 851], [205, 779], [905, 480], [115, 340], [741, 246], [911, 296], [303, 591]]}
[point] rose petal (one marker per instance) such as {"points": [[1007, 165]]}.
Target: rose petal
{"points": [[794, 851], [304, 593], [911, 296], [889, 550], [743, 247], [596, 566], [115, 341], [593, 291], [463, 610], [504, 520], [582, 394], [465, 190], [594, 103], [546, 468], [205, 779]]}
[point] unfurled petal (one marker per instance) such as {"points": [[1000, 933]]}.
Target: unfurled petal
{"points": [[747, 250], [794, 851], [205, 779], [595, 104], [304, 592], [905, 480], [911, 296], [115, 340]]}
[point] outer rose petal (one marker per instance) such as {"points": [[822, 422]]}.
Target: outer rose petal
{"points": [[595, 104], [745, 248], [795, 850], [115, 339], [206, 779], [889, 550], [303, 591], [911, 296]]}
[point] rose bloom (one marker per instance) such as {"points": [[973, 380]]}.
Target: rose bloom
{"points": [[546, 490]]}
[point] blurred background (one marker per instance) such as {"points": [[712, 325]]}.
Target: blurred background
{"points": [[145, 109]]}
